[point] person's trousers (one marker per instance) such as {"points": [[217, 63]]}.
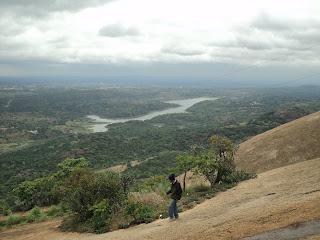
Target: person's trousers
{"points": [[173, 209]]}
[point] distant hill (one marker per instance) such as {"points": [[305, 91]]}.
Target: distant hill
{"points": [[290, 143]]}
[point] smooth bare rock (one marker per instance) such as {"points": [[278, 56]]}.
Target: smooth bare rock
{"points": [[290, 143]]}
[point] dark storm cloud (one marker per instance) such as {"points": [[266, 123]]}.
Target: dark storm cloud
{"points": [[118, 30]]}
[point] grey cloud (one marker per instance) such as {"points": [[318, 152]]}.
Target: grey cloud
{"points": [[266, 22], [266, 33], [40, 8], [183, 51], [305, 38], [296, 35], [244, 42], [118, 30]]}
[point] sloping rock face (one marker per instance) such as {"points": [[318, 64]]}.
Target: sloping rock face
{"points": [[290, 143]]}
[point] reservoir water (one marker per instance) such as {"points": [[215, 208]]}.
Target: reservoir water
{"points": [[99, 124]]}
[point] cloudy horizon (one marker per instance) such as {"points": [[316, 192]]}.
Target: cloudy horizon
{"points": [[203, 38]]}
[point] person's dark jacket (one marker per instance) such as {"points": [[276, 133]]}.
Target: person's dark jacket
{"points": [[175, 191]]}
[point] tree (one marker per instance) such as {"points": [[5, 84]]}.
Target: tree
{"points": [[217, 163], [67, 166], [38, 192], [44, 191], [126, 181], [223, 147], [185, 163]]}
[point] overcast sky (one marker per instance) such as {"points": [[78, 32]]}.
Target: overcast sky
{"points": [[160, 38]]}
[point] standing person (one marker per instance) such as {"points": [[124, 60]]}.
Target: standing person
{"points": [[175, 195]]}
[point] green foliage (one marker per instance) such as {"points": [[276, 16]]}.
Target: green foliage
{"points": [[223, 147], [101, 218], [92, 196], [200, 188], [162, 163], [207, 165], [217, 164], [5, 208], [185, 163], [241, 113], [67, 166], [55, 211], [14, 219], [43, 191], [126, 182], [238, 176], [157, 183], [139, 212], [35, 215], [38, 192]]}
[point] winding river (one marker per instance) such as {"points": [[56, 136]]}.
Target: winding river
{"points": [[99, 124]]}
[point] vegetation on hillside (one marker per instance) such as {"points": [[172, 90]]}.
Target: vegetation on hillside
{"points": [[96, 201], [35, 137]]}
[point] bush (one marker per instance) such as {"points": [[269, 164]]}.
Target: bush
{"points": [[14, 219], [92, 198], [44, 191], [55, 211], [140, 213], [201, 188], [158, 184], [238, 176], [35, 193], [101, 218], [35, 215], [148, 198], [4, 208]]}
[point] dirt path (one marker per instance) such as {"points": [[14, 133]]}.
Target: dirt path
{"points": [[276, 199]]}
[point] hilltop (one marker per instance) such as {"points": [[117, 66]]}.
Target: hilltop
{"points": [[290, 143]]}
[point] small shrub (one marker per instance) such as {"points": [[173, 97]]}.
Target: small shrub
{"points": [[35, 215], [158, 184], [238, 176], [139, 212], [7, 212], [4, 208], [14, 219], [201, 188], [55, 211], [72, 223], [123, 226], [148, 198]]}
